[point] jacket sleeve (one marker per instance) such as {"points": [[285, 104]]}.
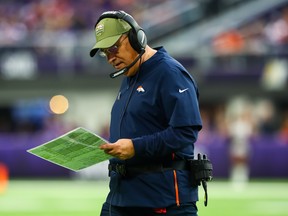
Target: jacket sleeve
{"points": [[164, 143]]}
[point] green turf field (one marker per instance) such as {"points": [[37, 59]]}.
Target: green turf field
{"points": [[84, 198]]}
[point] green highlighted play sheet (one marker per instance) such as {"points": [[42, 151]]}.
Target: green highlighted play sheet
{"points": [[75, 150]]}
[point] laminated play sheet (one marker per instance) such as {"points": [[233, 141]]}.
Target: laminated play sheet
{"points": [[75, 150]]}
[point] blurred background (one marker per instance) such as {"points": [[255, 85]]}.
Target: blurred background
{"points": [[236, 50]]}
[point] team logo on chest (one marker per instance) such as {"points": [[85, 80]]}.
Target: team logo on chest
{"points": [[140, 89]]}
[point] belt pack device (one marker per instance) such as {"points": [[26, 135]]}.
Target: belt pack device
{"points": [[201, 170]]}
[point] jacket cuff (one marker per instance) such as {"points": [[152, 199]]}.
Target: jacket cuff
{"points": [[139, 148]]}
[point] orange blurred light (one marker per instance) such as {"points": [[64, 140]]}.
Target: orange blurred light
{"points": [[3, 178], [59, 104]]}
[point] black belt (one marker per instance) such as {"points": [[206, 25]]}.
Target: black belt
{"points": [[125, 170]]}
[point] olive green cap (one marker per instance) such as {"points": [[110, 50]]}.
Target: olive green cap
{"points": [[107, 32]]}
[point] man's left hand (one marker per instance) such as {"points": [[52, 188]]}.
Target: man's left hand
{"points": [[122, 149]]}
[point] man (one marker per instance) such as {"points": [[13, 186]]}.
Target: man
{"points": [[155, 121]]}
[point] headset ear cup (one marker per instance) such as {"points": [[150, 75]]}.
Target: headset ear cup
{"points": [[141, 39], [134, 40]]}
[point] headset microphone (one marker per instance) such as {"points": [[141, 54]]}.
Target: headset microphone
{"points": [[124, 70]]}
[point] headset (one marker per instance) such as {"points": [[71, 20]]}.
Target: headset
{"points": [[136, 35]]}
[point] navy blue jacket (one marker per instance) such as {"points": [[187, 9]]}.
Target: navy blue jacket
{"points": [[158, 109]]}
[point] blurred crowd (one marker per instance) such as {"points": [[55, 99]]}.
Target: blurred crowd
{"points": [[244, 118], [264, 34], [18, 18], [240, 118], [52, 32], [241, 124]]}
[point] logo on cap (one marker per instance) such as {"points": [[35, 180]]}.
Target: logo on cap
{"points": [[99, 29]]}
